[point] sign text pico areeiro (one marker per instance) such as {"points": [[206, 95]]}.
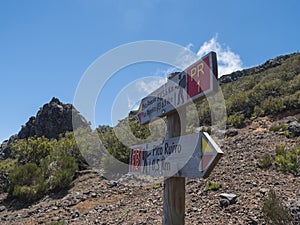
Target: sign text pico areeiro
{"points": [[193, 155]]}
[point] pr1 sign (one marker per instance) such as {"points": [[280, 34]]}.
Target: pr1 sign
{"points": [[193, 84]]}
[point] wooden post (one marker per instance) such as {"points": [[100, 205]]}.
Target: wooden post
{"points": [[174, 187]]}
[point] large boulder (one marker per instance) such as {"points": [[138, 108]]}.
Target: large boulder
{"points": [[294, 129]]}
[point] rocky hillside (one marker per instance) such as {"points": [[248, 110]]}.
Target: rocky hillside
{"points": [[263, 106], [95, 200]]}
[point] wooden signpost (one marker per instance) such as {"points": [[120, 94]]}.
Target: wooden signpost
{"points": [[177, 156]]}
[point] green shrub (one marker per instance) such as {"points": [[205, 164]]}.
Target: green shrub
{"points": [[112, 143], [281, 127], [236, 120], [40, 166], [212, 186], [272, 105], [32, 150], [257, 111], [280, 150], [27, 183], [238, 102], [204, 113], [287, 134], [124, 213], [156, 186], [292, 101], [266, 161], [58, 170], [274, 212], [287, 161], [8, 165]]}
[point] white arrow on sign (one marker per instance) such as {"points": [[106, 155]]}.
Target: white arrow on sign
{"points": [[192, 155]]}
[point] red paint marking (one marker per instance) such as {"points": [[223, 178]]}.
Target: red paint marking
{"points": [[136, 160], [206, 159]]}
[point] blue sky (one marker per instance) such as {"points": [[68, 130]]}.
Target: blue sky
{"points": [[46, 46]]}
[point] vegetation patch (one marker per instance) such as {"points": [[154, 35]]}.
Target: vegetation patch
{"points": [[284, 160], [274, 211], [281, 127], [287, 161], [268, 93], [236, 120], [212, 186], [266, 161], [39, 166], [156, 186]]}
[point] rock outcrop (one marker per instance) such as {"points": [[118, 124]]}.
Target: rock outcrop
{"points": [[53, 119]]}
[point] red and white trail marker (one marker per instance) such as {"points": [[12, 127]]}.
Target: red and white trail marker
{"points": [[192, 155]]}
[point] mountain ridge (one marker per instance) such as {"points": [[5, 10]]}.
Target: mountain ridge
{"points": [[271, 63]]}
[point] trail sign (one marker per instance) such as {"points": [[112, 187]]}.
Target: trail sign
{"points": [[193, 84], [177, 156], [192, 155]]}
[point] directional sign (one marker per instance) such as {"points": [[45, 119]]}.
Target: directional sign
{"points": [[193, 155], [193, 84]]}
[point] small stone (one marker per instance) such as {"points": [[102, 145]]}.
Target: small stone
{"points": [[112, 184], [231, 133], [86, 192], [142, 210], [294, 129], [230, 197], [257, 194], [56, 218], [75, 214], [263, 190], [224, 203]]}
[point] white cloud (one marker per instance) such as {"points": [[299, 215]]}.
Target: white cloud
{"points": [[147, 87], [139, 89], [228, 61]]}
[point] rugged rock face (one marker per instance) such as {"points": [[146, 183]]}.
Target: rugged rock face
{"points": [[53, 119], [267, 65]]}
